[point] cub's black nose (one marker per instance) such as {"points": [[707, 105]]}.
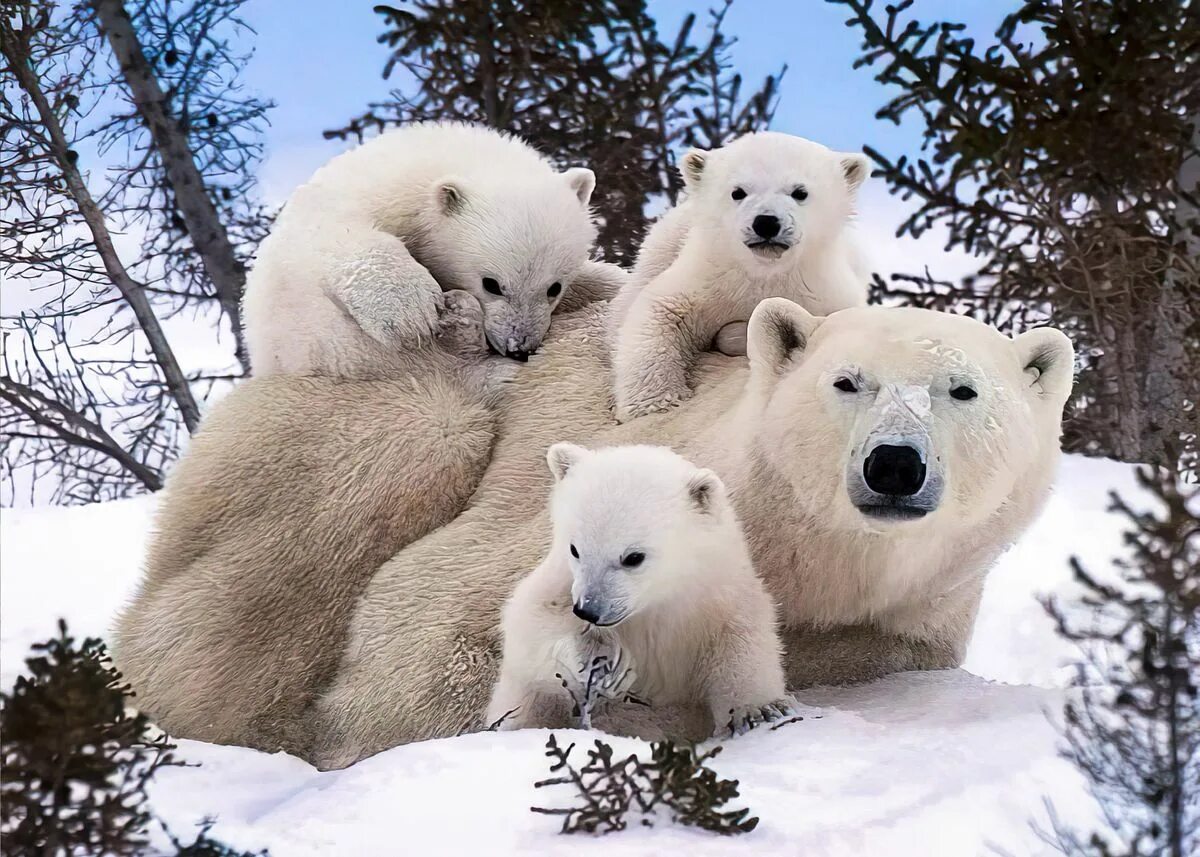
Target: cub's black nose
{"points": [[766, 226], [587, 614], [897, 471], [519, 356]]}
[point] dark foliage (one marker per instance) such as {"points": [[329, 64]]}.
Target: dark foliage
{"points": [[76, 762], [1134, 729], [675, 780], [584, 82], [1065, 156]]}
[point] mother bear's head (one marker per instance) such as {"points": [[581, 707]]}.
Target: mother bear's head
{"points": [[887, 418]]}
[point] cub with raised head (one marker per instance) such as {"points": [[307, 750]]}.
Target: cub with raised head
{"points": [[353, 274], [765, 216], [648, 590]]}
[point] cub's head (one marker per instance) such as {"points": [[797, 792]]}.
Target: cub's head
{"points": [[884, 418], [632, 520], [514, 242], [767, 198]]}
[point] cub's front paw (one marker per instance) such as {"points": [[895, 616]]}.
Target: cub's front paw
{"points": [[743, 718], [460, 324]]}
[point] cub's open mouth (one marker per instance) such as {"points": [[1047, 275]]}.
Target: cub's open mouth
{"points": [[768, 247]]}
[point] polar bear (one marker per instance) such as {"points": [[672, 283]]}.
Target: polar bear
{"points": [[353, 273], [765, 216], [879, 459], [648, 589], [293, 492]]}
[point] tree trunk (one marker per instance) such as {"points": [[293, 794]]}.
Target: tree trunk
{"points": [[1172, 359], [132, 291], [195, 207]]}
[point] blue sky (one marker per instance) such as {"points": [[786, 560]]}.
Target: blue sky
{"points": [[320, 62]]}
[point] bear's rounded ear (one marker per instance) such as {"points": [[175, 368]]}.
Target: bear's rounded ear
{"points": [[561, 457], [855, 168], [778, 330], [1048, 358], [448, 196], [582, 182], [706, 491], [692, 166]]}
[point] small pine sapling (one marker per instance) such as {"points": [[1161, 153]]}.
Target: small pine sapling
{"points": [[676, 780]]}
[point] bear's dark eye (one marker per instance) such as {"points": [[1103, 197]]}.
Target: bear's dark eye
{"points": [[633, 559], [554, 291], [738, 194], [574, 552], [963, 393], [800, 194], [845, 385], [491, 286]]}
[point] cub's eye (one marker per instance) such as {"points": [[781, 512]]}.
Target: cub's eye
{"points": [[574, 552], [491, 286], [738, 194], [963, 393], [554, 291], [800, 194], [845, 385], [633, 559]]}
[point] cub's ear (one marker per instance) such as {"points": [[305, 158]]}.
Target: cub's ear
{"points": [[582, 182], [1048, 358], [448, 196], [706, 491], [561, 457], [692, 166], [856, 168], [778, 331]]}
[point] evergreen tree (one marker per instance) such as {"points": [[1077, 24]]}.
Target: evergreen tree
{"points": [[1134, 729], [77, 762], [1066, 155]]}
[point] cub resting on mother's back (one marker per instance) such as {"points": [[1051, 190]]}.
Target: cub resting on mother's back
{"points": [[351, 279], [765, 216]]}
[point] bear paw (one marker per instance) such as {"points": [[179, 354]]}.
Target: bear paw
{"points": [[460, 324], [743, 718]]}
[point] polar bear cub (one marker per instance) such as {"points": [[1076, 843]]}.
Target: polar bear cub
{"points": [[354, 271], [765, 216], [648, 591]]}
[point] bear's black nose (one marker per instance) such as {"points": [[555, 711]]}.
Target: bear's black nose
{"points": [[766, 226], [519, 356], [587, 614], [897, 471]]}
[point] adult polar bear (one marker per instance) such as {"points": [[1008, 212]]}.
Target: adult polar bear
{"points": [[880, 460]]}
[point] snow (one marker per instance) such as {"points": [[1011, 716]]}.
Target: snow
{"points": [[956, 762]]}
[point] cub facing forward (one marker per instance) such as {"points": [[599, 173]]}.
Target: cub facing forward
{"points": [[353, 274], [765, 217], [648, 567]]}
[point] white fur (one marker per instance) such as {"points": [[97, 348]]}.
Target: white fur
{"points": [[696, 272], [354, 270], [690, 623]]}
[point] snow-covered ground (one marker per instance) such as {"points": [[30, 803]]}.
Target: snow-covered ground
{"points": [[922, 764]]}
